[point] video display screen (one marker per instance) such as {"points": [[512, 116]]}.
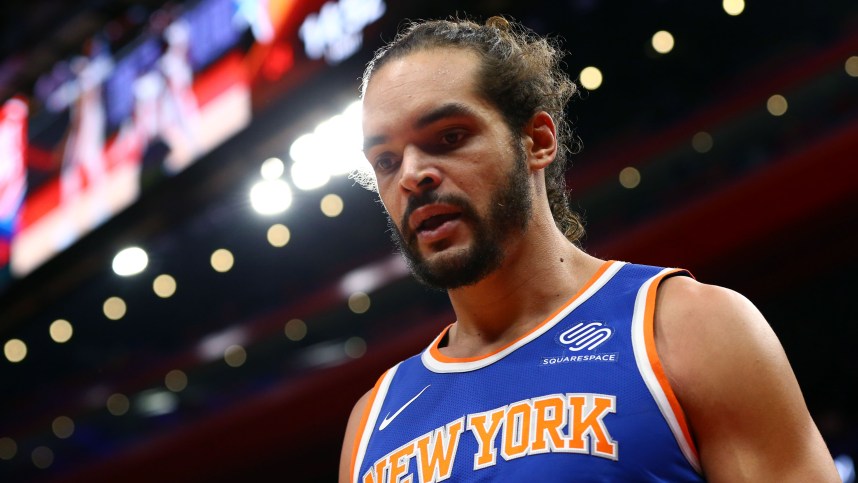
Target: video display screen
{"points": [[104, 126]]}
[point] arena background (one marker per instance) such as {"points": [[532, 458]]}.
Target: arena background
{"points": [[732, 154]]}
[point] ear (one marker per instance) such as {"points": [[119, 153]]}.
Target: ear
{"points": [[540, 140]]}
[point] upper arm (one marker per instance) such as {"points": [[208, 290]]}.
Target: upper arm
{"points": [[351, 434], [736, 387]]}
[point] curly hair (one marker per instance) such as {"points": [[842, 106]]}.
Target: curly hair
{"points": [[520, 74]]}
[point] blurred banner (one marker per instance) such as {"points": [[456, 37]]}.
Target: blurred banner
{"points": [[13, 173], [113, 121]]}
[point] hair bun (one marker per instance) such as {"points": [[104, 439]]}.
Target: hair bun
{"points": [[498, 22]]}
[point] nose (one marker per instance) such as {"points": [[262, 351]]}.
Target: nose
{"points": [[419, 172]]}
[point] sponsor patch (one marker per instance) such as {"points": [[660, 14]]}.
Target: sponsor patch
{"points": [[585, 336], [568, 359]]}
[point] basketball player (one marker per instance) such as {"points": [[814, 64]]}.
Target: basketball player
{"points": [[83, 155], [560, 366]]}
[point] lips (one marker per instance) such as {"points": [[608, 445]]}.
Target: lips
{"points": [[434, 222], [428, 219]]}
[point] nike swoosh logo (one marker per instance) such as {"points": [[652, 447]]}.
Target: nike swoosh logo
{"points": [[389, 419]]}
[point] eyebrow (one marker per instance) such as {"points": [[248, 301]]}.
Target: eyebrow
{"points": [[452, 109], [445, 111], [373, 141]]}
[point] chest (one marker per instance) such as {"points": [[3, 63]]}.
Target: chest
{"points": [[575, 400], [545, 410]]}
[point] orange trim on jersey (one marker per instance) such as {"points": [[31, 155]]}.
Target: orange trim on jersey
{"points": [[655, 362], [436, 353], [362, 426]]}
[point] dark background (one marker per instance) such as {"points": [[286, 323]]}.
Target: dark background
{"points": [[769, 211]]}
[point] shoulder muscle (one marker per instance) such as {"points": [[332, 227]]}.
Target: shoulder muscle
{"points": [[736, 386]]}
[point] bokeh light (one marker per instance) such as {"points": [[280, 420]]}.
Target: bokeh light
{"points": [[702, 142], [316, 158], [271, 196], [308, 176], [359, 302], [222, 260], [63, 427], [591, 78], [355, 347], [733, 7], [851, 66], [777, 105], [235, 356], [43, 457], [278, 235], [332, 205], [114, 308], [630, 177], [272, 168], [15, 350], [295, 329], [118, 404], [8, 448], [662, 41], [164, 285], [130, 261], [61, 331], [176, 380]]}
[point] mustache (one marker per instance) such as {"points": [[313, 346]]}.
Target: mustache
{"points": [[432, 197]]}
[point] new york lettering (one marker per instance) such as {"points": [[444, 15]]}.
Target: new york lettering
{"points": [[557, 423]]}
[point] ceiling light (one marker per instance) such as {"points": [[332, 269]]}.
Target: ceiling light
{"points": [[130, 261], [271, 196]]}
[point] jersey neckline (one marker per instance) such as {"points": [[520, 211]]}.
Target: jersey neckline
{"points": [[435, 361]]}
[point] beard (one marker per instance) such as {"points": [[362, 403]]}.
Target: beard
{"points": [[508, 216]]}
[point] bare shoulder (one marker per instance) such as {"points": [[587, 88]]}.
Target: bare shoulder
{"points": [[352, 429], [680, 297], [705, 327], [705, 334], [736, 387]]}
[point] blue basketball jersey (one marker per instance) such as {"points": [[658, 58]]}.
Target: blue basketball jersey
{"points": [[581, 397]]}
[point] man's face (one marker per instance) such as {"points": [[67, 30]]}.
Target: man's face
{"points": [[452, 177]]}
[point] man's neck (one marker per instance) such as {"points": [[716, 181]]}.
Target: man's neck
{"points": [[538, 274]]}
